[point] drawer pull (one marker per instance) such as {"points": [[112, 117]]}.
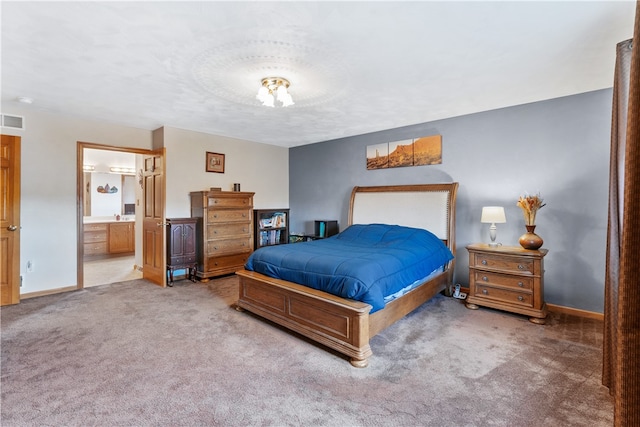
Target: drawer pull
{"points": [[215, 215], [521, 267], [486, 292], [521, 284], [484, 262], [485, 278], [520, 298], [244, 215]]}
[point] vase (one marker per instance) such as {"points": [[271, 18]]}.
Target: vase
{"points": [[530, 240]]}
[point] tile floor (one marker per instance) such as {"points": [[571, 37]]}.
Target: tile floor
{"points": [[110, 270]]}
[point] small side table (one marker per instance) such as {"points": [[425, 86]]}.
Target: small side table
{"points": [[508, 278]]}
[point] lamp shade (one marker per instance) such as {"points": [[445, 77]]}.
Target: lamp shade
{"points": [[493, 215]]}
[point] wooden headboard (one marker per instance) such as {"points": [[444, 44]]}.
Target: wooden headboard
{"points": [[428, 206]]}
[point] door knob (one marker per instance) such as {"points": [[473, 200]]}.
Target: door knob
{"points": [[12, 228]]}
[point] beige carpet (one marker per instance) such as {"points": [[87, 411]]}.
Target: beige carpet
{"points": [[134, 354]]}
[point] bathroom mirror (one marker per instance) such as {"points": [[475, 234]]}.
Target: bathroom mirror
{"points": [[110, 183]]}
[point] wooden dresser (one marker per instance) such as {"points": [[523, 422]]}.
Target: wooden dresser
{"points": [[224, 238], [507, 278]]}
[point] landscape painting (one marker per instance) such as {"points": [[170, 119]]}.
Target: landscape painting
{"points": [[426, 150], [401, 153], [378, 156]]}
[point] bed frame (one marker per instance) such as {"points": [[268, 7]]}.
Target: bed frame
{"points": [[346, 325]]}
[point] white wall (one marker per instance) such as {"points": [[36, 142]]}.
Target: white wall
{"points": [[48, 217], [48, 182], [259, 168]]}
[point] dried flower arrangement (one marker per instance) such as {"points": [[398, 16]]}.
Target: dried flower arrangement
{"points": [[529, 206]]}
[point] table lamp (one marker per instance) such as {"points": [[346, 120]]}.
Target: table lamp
{"points": [[493, 215]]}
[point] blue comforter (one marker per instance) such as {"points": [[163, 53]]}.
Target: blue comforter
{"points": [[363, 263]]}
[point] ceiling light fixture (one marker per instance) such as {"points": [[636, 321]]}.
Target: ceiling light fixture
{"points": [[274, 88], [124, 171]]}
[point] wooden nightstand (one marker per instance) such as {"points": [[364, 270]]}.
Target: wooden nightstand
{"points": [[507, 278]]}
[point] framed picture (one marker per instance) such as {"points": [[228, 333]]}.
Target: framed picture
{"points": [[215, 162], [426, 150]]}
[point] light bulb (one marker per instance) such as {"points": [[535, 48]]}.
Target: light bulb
{"points": [[288, 100], [263, 92], [268, 101], [282, 93]]}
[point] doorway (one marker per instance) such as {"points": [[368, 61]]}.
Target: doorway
{"points": [[109, 214]]}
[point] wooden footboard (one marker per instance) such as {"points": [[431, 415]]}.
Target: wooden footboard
{"points": [[341, 324], [337, 323], [400, 307]]}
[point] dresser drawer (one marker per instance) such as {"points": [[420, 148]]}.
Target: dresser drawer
{"points": [[224, 262], [228, 215], [224, 230], [510, 281], [221, 247], [503, 295], [230, 202], [503, 263]]}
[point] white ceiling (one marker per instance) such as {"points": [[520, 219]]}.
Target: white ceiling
{"points": [[354, 67]]}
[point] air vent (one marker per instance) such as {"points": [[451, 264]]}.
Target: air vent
{"points": [[12, 122]]}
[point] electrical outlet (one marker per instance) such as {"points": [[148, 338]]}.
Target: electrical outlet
{"points": [[29, 266]]}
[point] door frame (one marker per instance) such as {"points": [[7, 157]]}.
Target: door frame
{"points": [[80, 195]]}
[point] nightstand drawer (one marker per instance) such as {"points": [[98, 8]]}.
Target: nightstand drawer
{"points": [[503, 263], [503, 295], [511, 281]]}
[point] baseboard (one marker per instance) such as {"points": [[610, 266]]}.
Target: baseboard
{"points": [[48, 292], [564, 310], [575, 312]]}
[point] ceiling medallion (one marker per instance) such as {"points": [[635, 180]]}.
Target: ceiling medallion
{"points": [[232, 71]]}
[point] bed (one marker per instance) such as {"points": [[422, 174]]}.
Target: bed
{"points": [[344, 324]]}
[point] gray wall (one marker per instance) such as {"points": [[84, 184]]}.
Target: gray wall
{"points": [[558, 147]]}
